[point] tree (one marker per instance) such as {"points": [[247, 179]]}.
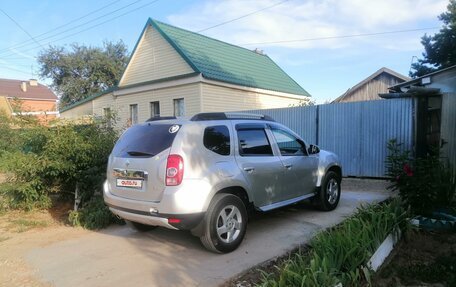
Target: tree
{"points": [[440, 49], [82, 71]]}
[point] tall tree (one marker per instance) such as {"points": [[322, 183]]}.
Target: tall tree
{"points": [[80, 71], [440, 49]]}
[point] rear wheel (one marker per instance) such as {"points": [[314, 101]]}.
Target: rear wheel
{"points": [[329, 195], [139, 226], [225, 223]]}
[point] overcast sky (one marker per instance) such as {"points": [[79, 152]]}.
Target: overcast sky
{"points": [[326, 68]]}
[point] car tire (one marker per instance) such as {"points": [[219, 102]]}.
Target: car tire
{"points": [[225, 224], [139, 226], [328, 196]]}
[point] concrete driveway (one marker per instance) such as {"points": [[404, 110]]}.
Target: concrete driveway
{"points": [[120, 256]]}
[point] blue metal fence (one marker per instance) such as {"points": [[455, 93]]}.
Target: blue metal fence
{"points": [[357, 132]]}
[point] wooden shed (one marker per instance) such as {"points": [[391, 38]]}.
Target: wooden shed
{"points": [[369, 88]]}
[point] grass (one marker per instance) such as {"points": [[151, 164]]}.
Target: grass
{"points": [[22, 225]]}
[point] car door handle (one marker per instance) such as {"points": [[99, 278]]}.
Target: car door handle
{"points": [[288, 166], [249, 169]]}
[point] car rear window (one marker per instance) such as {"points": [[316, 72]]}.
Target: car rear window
{"points": [[145, 140]]}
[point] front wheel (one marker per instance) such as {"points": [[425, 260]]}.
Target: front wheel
{"points": [[329, 195], [225, 224]]}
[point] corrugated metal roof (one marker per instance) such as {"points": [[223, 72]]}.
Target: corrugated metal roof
{"points": [[221, 61], [12, 88]]}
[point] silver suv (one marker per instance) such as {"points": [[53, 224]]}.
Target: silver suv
{"points": [[206, 174]]}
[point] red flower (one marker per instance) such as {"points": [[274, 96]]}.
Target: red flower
{"points": [[408, 170]]}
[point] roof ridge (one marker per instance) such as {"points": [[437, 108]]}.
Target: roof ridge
{"points": [[201, 35]]}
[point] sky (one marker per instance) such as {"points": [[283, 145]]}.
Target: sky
{"points": [[321, 44]]}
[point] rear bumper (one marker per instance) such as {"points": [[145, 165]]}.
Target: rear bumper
{"points": [[179, 221]]}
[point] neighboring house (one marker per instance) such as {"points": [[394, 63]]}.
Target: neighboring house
{"points": [[369, 88], [435, 110], [27, 98], [175, 72]]}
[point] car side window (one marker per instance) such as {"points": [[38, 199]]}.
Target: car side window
{"points": [[254, 142], [288, 144], [217, 139]]}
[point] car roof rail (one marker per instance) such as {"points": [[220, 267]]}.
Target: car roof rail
{"points": [[153, 119], [230, 116]]}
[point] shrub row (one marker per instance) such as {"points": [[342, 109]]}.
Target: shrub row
{"points": [[340, 255], [40, 161]]}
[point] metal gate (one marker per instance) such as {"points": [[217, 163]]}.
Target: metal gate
{"points": [[357, 132]]}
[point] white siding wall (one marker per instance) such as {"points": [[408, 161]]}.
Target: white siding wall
{"points": [[105, 101], [221, 99], [85, 109], [120, 105], [154, 59]]}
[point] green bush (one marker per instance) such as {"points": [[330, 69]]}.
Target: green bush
{"points": [[340, 255], [426, 184], [53, 159], [93, 215]]}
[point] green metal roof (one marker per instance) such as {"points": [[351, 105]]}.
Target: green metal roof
{"points": [[220, 61]]}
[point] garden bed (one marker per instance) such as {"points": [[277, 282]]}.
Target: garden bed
{"points": [[338, 255], [422, 259]]}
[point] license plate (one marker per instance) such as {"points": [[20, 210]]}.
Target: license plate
{"points": [[133, 183]]}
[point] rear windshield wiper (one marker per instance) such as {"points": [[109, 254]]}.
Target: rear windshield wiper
{"points": [[139, 153]]}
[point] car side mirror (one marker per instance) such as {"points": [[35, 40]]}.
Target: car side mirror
{"points": [[313, 149]]}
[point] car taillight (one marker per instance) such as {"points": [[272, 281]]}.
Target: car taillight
{"points": [[174, 170]]}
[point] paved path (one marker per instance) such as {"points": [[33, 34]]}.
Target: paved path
{"points": [[120, 256]]}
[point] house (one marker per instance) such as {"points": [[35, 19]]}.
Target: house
{"points": [[434, 97], [175, 72], [27, 98], [369, 88]]}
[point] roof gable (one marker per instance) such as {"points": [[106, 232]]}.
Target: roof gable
{"points": [[153, 58], [220, 61], [375, 75]]}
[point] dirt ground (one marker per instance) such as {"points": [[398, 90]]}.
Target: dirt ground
{"points": [[20, 231], [421, 259]]}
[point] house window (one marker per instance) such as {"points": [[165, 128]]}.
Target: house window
{"points": [[154, 109], [107, 116], [134, 114], [179, 107]]}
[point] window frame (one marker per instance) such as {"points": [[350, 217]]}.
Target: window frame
{"points": [[107, 115], [134, 120], [153, 106], [175, 102]]}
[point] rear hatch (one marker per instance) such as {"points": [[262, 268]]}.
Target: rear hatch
{"points": [[136, 168]]}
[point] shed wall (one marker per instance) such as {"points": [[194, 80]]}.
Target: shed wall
{"points": [[448, 127], [371, 89]]}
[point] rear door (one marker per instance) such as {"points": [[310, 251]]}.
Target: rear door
{"points": [[256, 160], [299, 168], [137, 164]]}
